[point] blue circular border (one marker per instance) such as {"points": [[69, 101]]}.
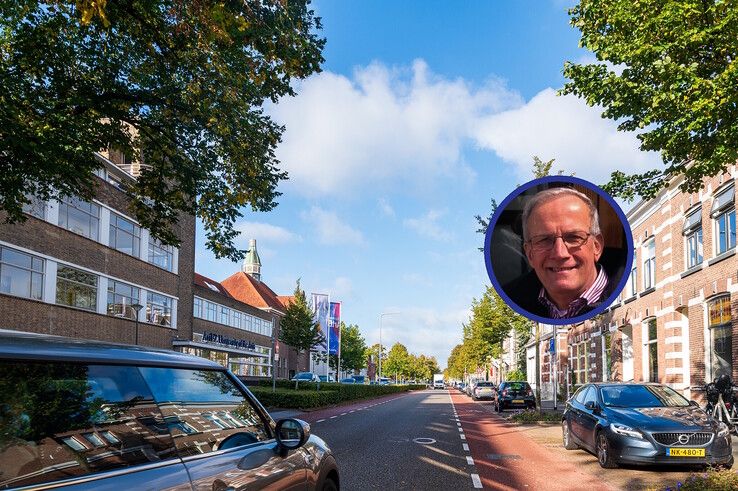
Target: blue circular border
{"points": [[628, 238]]}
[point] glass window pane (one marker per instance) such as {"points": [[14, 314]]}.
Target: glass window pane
{"points": [[57, 416]]}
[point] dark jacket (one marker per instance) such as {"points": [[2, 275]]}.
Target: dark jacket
{"points": [[524, 292]]}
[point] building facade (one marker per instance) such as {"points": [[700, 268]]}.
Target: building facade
{"points": [[676, 321], [89, 270]]}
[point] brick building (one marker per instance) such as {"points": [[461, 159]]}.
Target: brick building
{"points": [[674, 322], [78, 268]]}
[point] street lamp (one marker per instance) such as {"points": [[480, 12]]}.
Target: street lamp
{"points": [[137, 307], [381, 316]]}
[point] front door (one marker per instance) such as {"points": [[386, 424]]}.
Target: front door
{"points": [[627, 353]]}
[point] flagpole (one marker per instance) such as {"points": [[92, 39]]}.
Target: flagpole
{"points": [[338, 369], [328, 343]]}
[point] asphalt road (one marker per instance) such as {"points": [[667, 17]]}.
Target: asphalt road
{"points": [[408, 441]]}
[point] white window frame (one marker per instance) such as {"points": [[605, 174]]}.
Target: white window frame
{"points": [[649, 264]]}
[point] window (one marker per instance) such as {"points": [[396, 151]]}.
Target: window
{"points": [[723, 212], [76, 288], [649, 264], [653, 351], [579, 363], [159, 309], [80, 217], [36, 207], [60, 425], [607, 348], [197, 307], [211, 311], [721, 337], [21, 274], [121, 297], [125, 236], [184, 393], [633, 281], [224, 311], [161, 255], [692, 231], [236, 319]]}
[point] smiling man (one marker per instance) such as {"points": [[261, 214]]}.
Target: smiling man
{"points": [[563, 244]]}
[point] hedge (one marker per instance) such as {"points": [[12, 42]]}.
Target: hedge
{"points": [[308, 396]]}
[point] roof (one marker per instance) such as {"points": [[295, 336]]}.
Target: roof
{"points": [[245, 288], [17, 345], [213, 285], [286, 300]]}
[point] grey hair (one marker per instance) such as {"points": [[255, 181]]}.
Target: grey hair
{"points": [[549, 194]]}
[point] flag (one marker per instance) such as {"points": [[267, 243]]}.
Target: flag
{"points": [[334, 323], [320, 315]]}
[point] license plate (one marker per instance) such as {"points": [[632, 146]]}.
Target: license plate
{"points": [[686, 452], [518, 401]]}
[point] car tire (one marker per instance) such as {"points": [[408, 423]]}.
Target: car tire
{"points": [[566, 436], [604, 452], [330, 485], [728, 465], [500, 407]]}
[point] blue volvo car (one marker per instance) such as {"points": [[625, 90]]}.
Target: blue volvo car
{"points": [[643, 423]]}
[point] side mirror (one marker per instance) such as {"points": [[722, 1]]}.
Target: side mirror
{"points": [[591, 406], [290, 434], [693, 403]]}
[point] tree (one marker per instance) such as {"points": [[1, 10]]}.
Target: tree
{"points": [[298, 328], [398, 361], [353, 348], [177, 86], [666, 70]]}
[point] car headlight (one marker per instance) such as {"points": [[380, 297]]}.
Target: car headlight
{"points": [[723, 430], [626, 430]]}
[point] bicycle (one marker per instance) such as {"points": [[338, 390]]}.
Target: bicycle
{"points": [[721, 402]]}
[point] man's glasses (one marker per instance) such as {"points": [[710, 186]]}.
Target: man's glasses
{"points": [[544, 243]]}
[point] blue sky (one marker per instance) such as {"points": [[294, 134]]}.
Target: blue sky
{"points": [[424, 111]]}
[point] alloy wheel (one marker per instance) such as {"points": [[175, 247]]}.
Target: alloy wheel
{"points": [[602, 449]]}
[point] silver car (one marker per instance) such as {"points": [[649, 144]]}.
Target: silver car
{"points": [[88, 415]]}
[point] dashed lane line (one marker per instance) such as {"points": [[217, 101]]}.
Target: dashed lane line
{"points": [[320, 420], [469, 460], [466, 446], [476, 481]]}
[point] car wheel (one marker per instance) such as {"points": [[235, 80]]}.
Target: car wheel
{"points": [[604, 453], [728, 465], [500, 407], [568, 443], [330, 485]]}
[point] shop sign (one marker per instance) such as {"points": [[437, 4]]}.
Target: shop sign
{"points": [[211, 337]]}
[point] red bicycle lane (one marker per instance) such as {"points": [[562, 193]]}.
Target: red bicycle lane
{"points": [[507, 459]]}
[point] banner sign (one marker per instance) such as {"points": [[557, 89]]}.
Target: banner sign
{"points": [[211, 337], [320, 308], [334, 323]]}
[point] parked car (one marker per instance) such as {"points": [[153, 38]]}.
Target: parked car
{"points": [[483, 390], [97, 416], [461, 387], [306, 377], [348, 380], [510, 395], [469, 387], [643, 423], [326, 378], [359, 379]]}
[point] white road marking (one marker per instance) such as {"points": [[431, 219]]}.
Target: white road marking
{"points": [[469, 460], [460, 429], [477, 482], [463, 436], [334, 417], [320, 420], [466, 446], [352, 411], [458, 424], [343, 414]]}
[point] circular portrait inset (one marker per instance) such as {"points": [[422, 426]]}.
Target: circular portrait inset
{"points": [[557, 250]]}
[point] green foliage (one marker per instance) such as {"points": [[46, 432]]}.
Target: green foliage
{"points": [[330, 393], [353, 349], [535, 417], [398, 361], [712, 480], [667, 70], [298, 328], [179, 86], [516, 376]]}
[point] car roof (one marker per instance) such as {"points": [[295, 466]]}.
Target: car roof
{"points": [[622, 384], [17, 345]]}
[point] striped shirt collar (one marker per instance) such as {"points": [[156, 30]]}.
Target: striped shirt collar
{"points": [[590, 296]]}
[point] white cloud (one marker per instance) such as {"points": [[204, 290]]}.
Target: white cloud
{"points": [[427, 225], [264, 232], [381, 126], [385, 207], [564, 128], [330, 229]]}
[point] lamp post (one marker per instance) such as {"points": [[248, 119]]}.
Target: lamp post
{"points": [[381, 317], [137, 307]]}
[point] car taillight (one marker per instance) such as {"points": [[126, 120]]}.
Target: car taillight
{"points": [[504, 393]]}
